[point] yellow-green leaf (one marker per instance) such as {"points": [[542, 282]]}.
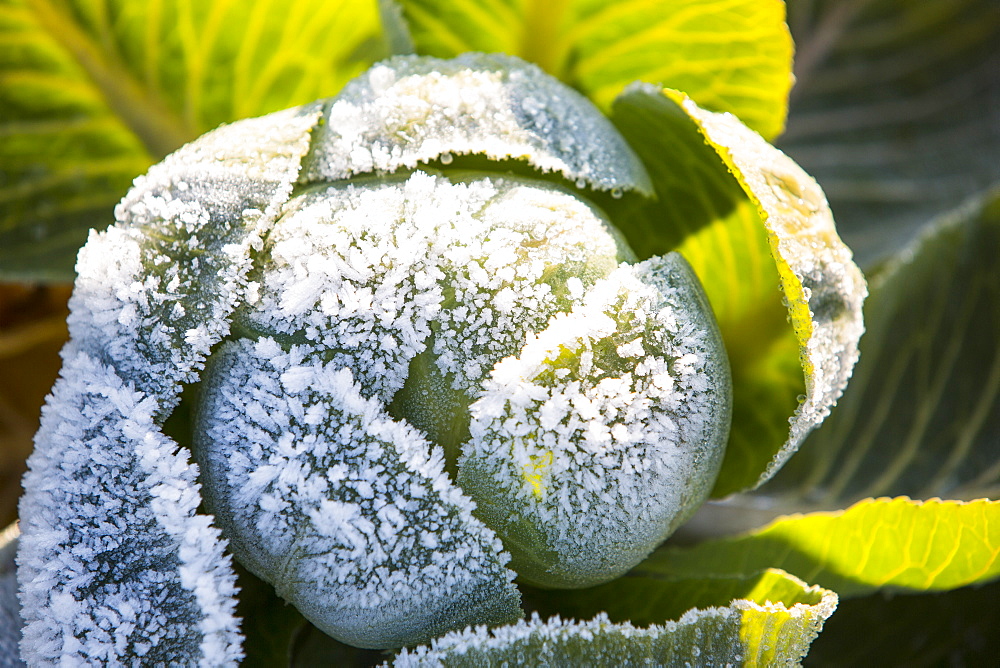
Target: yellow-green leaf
{"points": [[759, 235], [765, 620], [649, 597], [729, 55], [895, 544], [92, 93]]}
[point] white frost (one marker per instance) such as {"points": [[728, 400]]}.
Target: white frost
{"points": [[409, 110], [605, 431], [114, 562], [362, 270], [350, 516]]}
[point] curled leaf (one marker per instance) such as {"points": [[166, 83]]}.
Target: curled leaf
{"points": [[921, 416], [114, 560], [409, 110], [742, 632], [107, 491], [758, 233], [822, 287]]}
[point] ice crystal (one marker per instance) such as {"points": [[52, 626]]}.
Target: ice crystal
{"points": [[366, 268], [114, 562], [154, 292], [597, 641], [409, 110]]}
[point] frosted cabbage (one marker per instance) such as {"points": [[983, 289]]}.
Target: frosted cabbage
{"points": [[389, 359]]}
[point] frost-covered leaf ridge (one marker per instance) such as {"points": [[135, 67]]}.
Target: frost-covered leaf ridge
{"points": [[739, 634], [153, 295], [154, 292], [114, 562], [347, 512], [408, 110]]}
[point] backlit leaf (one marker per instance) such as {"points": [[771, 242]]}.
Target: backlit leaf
{"points": [[892, 544], [729, 55], [759, 235], [93, 93]]}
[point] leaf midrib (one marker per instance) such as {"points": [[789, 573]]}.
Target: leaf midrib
{"points": [[159, 130], [542, 41]]}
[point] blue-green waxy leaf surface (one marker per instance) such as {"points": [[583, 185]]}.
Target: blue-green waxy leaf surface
{"points": [[579, 421]]}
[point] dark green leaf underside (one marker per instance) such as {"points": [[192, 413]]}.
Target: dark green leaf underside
{"points": [[956, 628], [895, 111]]}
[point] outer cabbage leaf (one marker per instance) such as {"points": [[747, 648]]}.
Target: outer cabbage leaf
{"points": [[772, 623], [114, 560], [921, 416], [107, 491], [761, 238], [646, 597], [301, 502], [409, 110], [606, 431], [892, 544]]}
